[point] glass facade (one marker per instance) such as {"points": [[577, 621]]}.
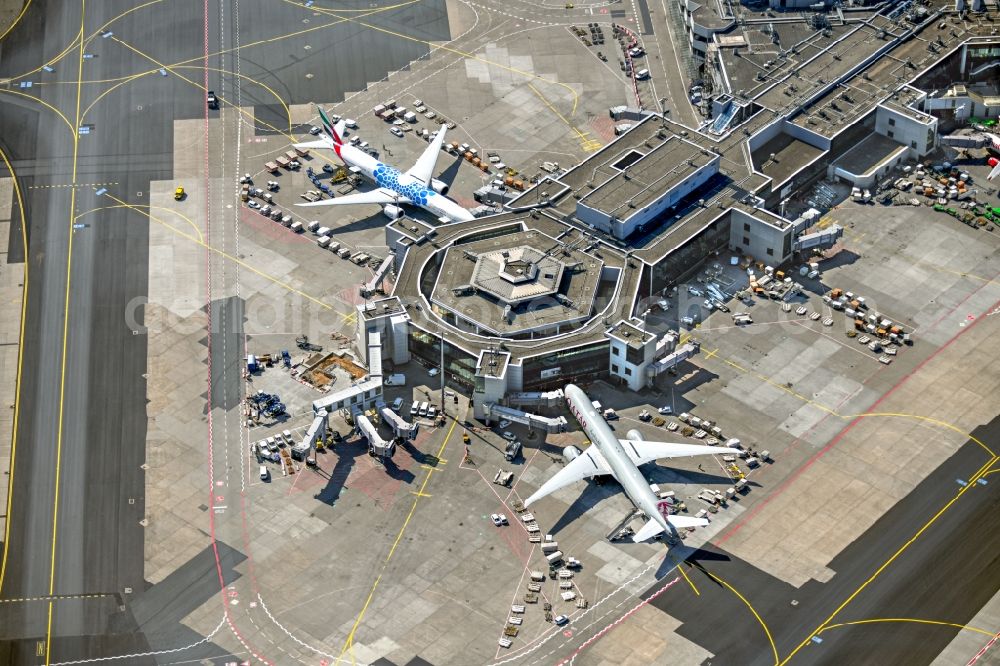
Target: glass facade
{"points": [[460, 366], [682, 261], [577, 364]]}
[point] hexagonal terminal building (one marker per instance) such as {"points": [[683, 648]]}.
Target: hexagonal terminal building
{"points": [[519, 284]]}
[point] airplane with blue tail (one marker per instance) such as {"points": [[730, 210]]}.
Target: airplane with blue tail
{"points": [[416, 186]]}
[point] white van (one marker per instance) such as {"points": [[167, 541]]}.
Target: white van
{"points": [[431, 411], [642, 74], [397, 405], [264, 474], [423, 409], [414, 410]]}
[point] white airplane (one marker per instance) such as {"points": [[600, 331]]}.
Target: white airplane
{"points": [[417, 186], [621, 459], [995, 142]]}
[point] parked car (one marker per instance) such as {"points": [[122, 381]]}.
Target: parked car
{"points": [[504, 423], [666, 409], [508, 435], [396, 131], [433, 372], [495, 517], [314, 130], [560, 620]]}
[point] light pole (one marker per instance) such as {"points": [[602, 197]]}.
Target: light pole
{"points": [[442, 373]]}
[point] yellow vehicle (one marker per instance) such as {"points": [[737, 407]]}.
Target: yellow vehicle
{"points": [[465, 437], [178, 193]]}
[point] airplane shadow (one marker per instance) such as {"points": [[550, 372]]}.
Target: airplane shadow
{"points": [[584, 502], [680, 554], [376, 221], [668, 475], [449, 175]]}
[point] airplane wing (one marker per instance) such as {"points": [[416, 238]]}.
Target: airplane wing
{"points": [[642, 452], [587, 464], [313, 145], [373, 197], [423, 170]]}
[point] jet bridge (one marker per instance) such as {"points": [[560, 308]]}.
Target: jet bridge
{"points": [[819, 240], [315, 432], [370, 287], [376, 445], [536, 399], [548, 424], [673, 359], [400, 426]]}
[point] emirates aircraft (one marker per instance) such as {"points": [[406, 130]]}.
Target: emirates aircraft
{"points": [[417, 186]]}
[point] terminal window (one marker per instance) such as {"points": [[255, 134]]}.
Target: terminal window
{"points": [[746, 226], [614, 369], [770, 251], [615, 351], [628, 371], [746, 240], [892, 122]]}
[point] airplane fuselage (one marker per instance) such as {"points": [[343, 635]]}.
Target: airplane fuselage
{"points": [[398, 184], [601, 435]]}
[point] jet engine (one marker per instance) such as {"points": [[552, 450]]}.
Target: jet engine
{"points": [[571, 453], [635, 436], [438, 186], [392, 212]]}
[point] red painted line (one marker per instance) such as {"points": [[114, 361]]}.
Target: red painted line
{"points": [[596, 637], [986, 647], [224, 597], [784, 486], [819, 454]]}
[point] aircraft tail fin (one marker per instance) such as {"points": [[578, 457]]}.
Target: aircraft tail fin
{"points": [[335, 132]]}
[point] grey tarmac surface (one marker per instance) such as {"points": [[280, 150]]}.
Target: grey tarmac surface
{"points": [[947, 574], [84, 405]]}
